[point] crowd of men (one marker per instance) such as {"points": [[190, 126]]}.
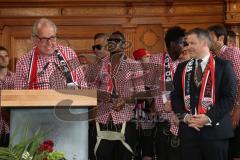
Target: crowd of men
{"points": [[177, 105]]}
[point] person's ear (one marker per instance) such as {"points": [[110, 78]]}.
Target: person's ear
{"points": [[128, 44], [124, 45], [205, 42], [221, 39], [34, 41]]}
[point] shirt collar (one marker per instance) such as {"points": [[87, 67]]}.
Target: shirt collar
{"points": [[206, 58], [204, 61]]}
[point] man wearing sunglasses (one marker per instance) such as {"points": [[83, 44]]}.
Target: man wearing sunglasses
{"points": [[100, 49], [47, 65], [91, 72], [122, 80], [100, 45]]}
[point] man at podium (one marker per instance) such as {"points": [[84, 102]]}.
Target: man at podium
{"points": [[48, 65]]}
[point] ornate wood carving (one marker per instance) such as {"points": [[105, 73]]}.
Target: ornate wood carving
{"points": [[142, 21]]}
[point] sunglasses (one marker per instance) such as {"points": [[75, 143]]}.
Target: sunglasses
{"points": [[98, 47], [116, 40]]}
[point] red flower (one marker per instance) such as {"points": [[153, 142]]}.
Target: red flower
{"points": [[46, 146], [49, 142]]}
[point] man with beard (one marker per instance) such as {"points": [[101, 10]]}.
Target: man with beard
{"points": [[121, 79], [231, 39], [6, 82], [167, 139], [218, 35], [48, 65], [6, 76]]}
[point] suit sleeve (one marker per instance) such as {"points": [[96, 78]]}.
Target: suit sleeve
{"points": [[225, 101], [177, 93]]}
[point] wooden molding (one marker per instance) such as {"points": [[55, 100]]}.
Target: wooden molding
{"points": [[143, 22]]}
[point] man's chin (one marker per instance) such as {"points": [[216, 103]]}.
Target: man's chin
{"points": [[111, 50], [48, 51], [191, 53], [100, 55]]}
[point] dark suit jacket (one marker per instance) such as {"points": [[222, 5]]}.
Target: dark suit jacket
{"points": [[219, 113]]}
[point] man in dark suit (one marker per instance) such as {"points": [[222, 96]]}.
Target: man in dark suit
{"points": [[203, 96]]}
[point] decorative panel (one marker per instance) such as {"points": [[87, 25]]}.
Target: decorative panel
{"points": [[143, 22], [94, 11], [150, 37], [20, 12]]}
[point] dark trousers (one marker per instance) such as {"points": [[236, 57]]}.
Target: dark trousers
{"points": [[146, 143], [115, 150], [167, 145], [4, 136], [92, 139], [234, 145], [4, 140], [199, 149]]}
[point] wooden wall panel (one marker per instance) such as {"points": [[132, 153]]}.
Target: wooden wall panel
{"points": [[233, 18], [19, 12], [150, 37], [18, 40], [144, 22]]}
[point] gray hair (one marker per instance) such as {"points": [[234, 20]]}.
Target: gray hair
{"points": [[43, 22]]}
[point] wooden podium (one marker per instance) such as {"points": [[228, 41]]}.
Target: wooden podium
{"points": [[57, 112], [47, 98]]}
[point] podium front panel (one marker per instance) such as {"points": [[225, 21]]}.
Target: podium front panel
{"points": [[69, 136]]}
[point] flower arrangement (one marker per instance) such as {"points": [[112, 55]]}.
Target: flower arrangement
{"points": [[46, 150], [33, 148]]}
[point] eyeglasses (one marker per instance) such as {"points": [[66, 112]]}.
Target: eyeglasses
{"points": [[98, 47], [116, 40], [45, 40]]}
